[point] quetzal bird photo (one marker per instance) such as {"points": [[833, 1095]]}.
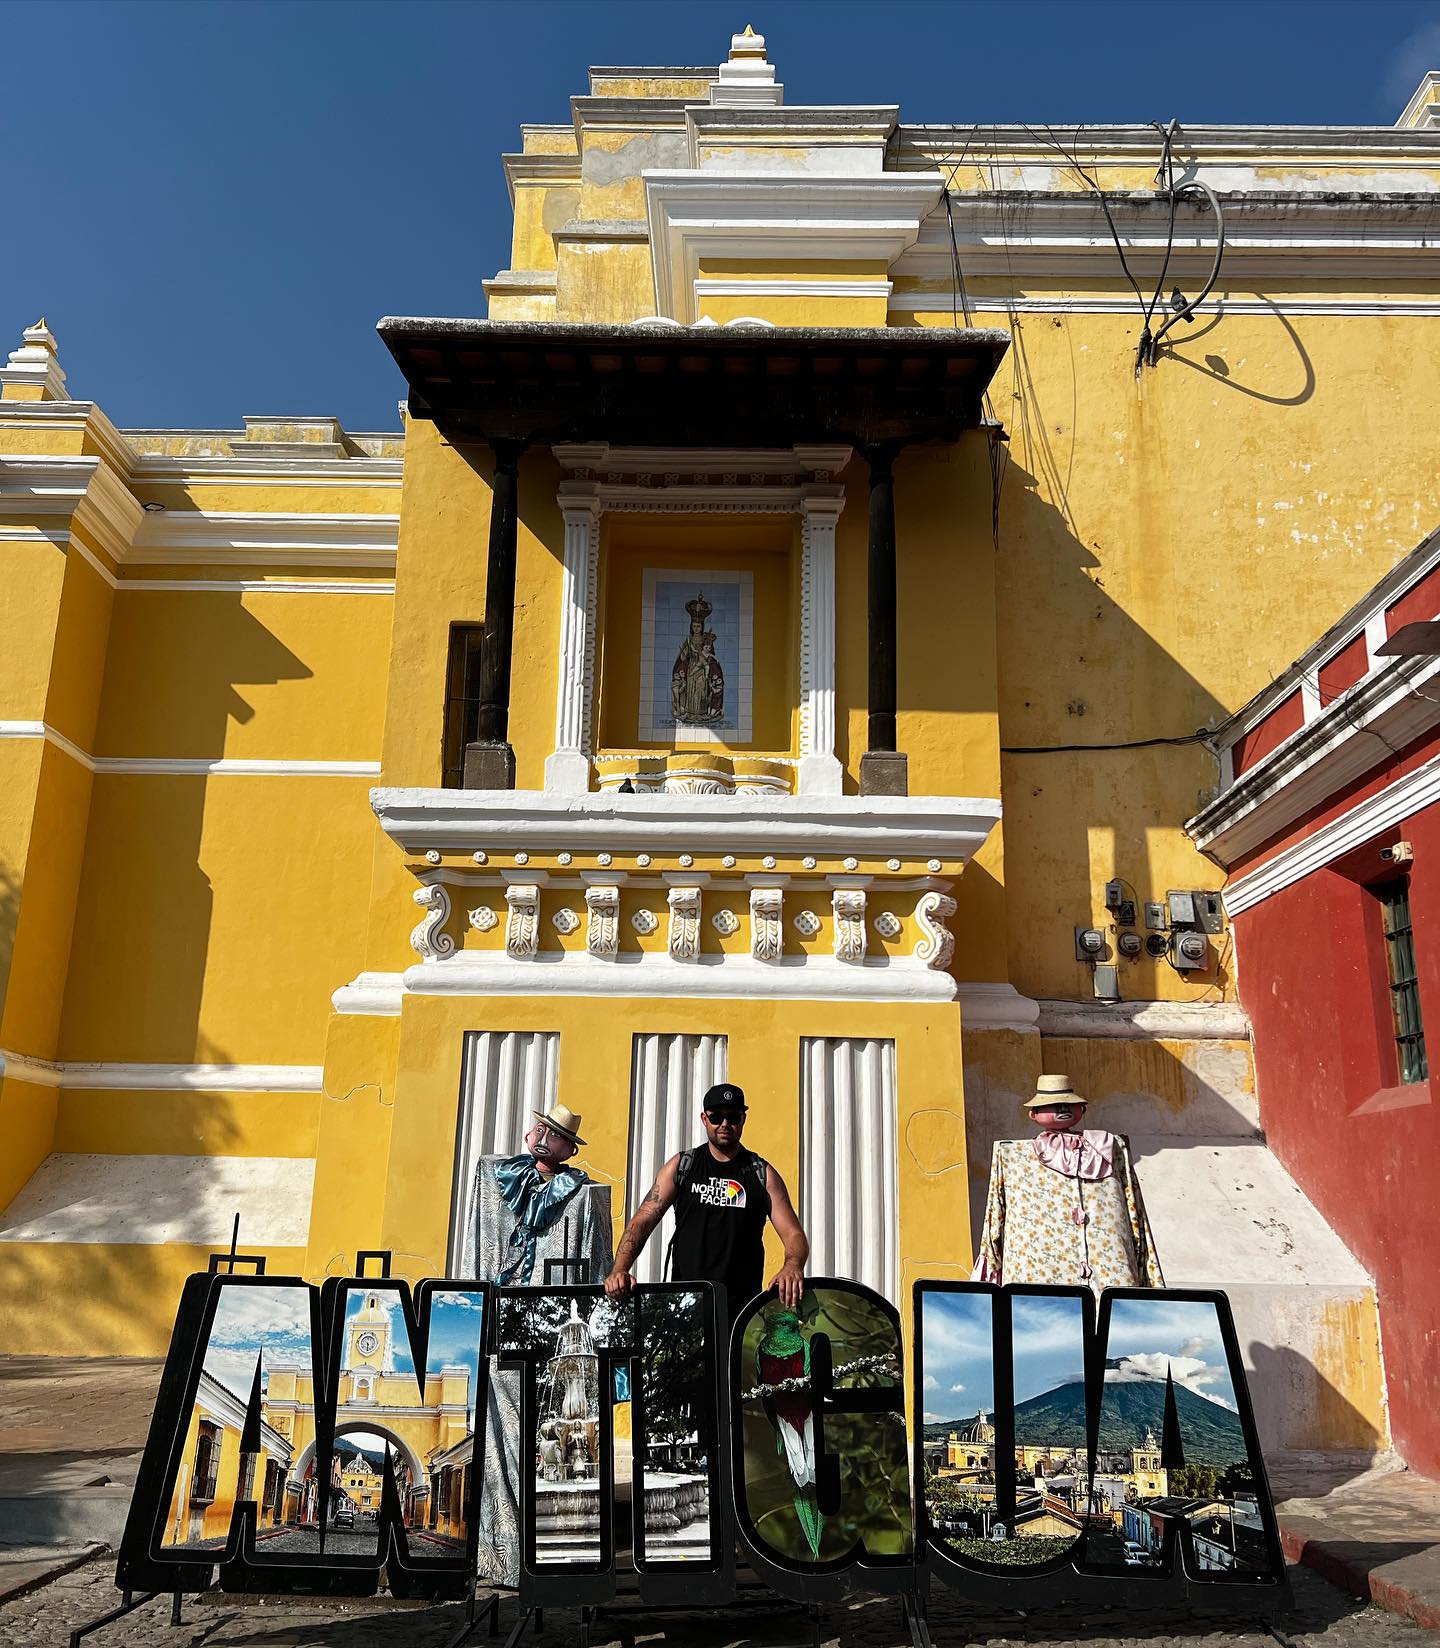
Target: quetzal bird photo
{"points": [[784, 1354]]}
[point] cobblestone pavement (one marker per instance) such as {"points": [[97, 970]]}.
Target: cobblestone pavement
{"points": [[45, 1618]]}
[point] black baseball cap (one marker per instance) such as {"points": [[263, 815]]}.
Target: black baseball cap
{"points": [[724, 1096]]}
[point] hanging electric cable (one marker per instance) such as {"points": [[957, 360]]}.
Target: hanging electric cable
{"points": [[1147, 350]]}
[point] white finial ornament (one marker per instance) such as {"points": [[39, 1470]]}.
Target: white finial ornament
{"points": [[747, 78], [36, 364]]}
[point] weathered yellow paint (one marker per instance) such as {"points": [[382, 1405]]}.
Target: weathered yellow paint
{"points": [[27, 1119], [594, 1079], [224, 673], [130, 1293], [201, 937], [133, 1123]]}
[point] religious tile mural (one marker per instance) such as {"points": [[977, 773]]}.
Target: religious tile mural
{"points": [[696, 657]]}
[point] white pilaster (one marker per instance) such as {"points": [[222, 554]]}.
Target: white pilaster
{"points": [[820, 771], [567, 771]]}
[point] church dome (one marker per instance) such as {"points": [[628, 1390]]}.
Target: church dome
{"points": [[979, 1430]]}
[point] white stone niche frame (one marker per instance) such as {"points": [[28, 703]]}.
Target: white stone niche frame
{"points": [[710, 481]]}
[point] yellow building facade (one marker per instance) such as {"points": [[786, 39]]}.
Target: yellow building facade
{"points": [[363, 792]]}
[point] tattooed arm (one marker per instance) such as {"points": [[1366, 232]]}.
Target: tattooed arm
{"points": [[649, 1214]]}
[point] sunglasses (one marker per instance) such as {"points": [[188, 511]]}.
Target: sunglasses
{"points": [[735, 1117]]}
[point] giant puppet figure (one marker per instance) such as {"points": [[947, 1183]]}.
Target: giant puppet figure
{"points": [[1064, 1208], [531, 1212]]}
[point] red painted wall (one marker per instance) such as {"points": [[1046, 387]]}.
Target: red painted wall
{"points": [[1313, 977], [1421, 600], [1288, 716], [1344, 669]]}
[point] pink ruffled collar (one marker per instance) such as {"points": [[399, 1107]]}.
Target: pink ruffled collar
{"points": [[1088, 1155]]}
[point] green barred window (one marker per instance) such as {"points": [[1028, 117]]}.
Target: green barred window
{"points": [[1404, 989]]}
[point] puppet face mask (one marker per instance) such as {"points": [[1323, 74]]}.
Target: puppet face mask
{"points": [[548, 1146], [1058, 1118]]}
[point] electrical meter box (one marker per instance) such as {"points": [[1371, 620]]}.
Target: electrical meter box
{"points": [[1209, 912], [1182, 909]]}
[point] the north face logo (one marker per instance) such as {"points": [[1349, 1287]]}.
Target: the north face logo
{"points": [[719, 1192]]}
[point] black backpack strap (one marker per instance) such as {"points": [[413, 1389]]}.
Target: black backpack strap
{"points": [[682, 1172]]}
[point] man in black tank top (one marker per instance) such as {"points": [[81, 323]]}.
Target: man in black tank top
{"points": [[722, 1194]]}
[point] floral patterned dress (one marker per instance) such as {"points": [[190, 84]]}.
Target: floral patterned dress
{"points": [[1079, 1222]]}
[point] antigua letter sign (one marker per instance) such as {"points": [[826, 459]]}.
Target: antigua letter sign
{"points": [[306, 1438]]}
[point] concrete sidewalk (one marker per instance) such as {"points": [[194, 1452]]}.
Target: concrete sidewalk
{"points": [[72, 1431], [1375, 1534]]}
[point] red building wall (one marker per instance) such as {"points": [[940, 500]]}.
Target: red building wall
{"points": [[1313, 977]]}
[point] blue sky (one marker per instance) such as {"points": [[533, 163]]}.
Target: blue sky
{"points": [[1147, 1336], [213, 203]]}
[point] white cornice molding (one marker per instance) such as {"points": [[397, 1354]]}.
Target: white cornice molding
{"points": [[1422, 112], [262, 586], [930, 145], [237, 468], [547, 171], [948, 828], [183, 536], [909, 302], [1044, 232], [1385, 710], [738, 287], [1144, 1020], [163, 1078], [699, 214], [709, 977], [91, 496], [1380, 812]]}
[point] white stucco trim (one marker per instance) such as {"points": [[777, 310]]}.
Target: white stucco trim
{"points": [[235, 767], [698, 214], [163, 1078], [996, 1007], [948, 828], [261, 586], [43, 730], [1386, 709], [710, 977], [1384, 810], [1038, 230], [908, 302], [741, 978], [728, 287], [185, 766], [280, 539], [1145, 1020], [371, 995], [149, 1200]]}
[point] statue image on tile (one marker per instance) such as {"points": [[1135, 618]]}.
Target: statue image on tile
{"points": [[697, 682], [696, 656]]}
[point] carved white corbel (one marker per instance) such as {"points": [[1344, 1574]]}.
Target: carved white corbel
{"points": [[848, 904], [522, 925], [767, 923], [429, 940], [602, 931], [937, 942], [684, 905]]}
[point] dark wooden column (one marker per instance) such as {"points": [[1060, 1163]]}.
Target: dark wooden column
{"points": [[883, 769], [490, 761]]}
